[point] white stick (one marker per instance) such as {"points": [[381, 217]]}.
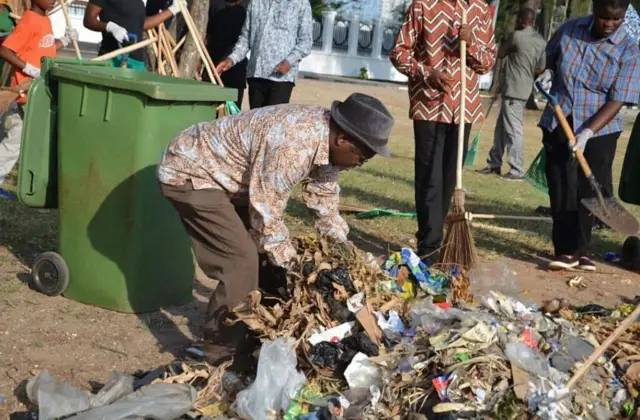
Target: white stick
{"points": [[130, 48], [463, 102], [65, 11], [196, 38]]}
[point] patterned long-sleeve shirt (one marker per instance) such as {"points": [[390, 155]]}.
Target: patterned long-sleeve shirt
{"points": [[257, 157], [275, 30], [589, 72], [429, 40]]}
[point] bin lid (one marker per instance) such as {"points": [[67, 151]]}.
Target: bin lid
{"points": [[149, 84]]}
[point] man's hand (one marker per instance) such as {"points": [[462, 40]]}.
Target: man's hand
{"points": [[546, 80], [349, 247], [283, 68], [224, 65], [465, 33], [70, 35], [118, 32], [582, 139], [31, 71], [439, 80]]}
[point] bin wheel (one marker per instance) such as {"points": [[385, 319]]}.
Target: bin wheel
{"points": [[50, 274]]}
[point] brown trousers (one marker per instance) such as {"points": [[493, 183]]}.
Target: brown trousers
{"points": [[222, 245]]}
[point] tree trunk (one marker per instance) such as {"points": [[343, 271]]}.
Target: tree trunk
{"points": [[578, 8], [190, 58]]}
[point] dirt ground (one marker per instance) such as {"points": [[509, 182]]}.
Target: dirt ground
{"points": [[82, 344]]}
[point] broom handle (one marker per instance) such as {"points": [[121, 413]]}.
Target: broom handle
{"points": [[204, 55], [603, 347], [463, 102], [506, 217], [65, 11], [130, 48]]}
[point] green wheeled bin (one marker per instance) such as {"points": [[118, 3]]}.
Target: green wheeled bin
{"points": [[121, 245]]}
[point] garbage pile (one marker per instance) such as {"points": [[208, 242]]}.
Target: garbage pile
{"points": [[361, 338]]}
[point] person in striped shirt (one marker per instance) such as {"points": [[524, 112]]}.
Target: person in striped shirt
{"points": [[427, 51], [593, 68]]}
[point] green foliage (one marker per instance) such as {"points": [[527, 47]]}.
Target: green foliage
{"points": [[319, 6]]}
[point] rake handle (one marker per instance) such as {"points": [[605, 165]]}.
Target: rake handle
{"points": [[603, 347]]}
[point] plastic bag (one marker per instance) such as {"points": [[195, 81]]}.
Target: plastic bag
{"points": [[527, 359], [56, 399], [338, 355], [277, 381], [341, 276], [155, 401], [498, 277], [361, 373], [431, 317], [115, 401]]}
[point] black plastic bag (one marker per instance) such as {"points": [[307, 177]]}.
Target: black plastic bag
{"points": [[341, 276]]}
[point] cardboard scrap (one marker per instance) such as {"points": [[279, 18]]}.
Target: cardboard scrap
{"points": [[368, 321]]}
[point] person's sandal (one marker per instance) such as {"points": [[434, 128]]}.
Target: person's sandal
{"points": [[585, 264], [563, 262]]}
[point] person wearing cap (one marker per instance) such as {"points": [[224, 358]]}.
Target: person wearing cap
{"points": [[230, 181], [117, 19]]}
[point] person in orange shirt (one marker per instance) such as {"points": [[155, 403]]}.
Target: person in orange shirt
{"points": [[31, 40]]}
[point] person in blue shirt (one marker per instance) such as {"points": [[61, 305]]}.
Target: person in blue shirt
{"points": [[593, 68]]}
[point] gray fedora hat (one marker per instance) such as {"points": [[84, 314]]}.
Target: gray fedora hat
{"points": [[366, 120]]}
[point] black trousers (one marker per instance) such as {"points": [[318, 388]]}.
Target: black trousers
{"points": [[572, 222], [263, 92], [435, 179]]}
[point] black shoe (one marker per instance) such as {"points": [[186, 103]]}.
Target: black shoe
{"points": [[512, 177], [489, 171], [585, 264], [563, 262], [545, 211]]}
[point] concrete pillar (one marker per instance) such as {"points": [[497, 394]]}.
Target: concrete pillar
{"points": [[328, 21], [354, 34], [376, 43]]}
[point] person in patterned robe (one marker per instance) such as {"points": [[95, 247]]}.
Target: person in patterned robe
{"points": [[427, 51], [230, 181]]}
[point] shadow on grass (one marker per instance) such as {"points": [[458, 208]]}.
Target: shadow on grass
{"points": [[363, 240], [387, 175], [376, 201]]}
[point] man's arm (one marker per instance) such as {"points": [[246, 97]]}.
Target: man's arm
{"points": [[241, 49], [541, 64], [20, 36], [551, 51], [91, 20], [507, 46], [625, 90], [481, 53], [321, 194], [270, 187], [11, 57], [304, 40], [402, 55]]}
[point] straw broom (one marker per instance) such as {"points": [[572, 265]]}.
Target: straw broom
{"points": [[9, 95], [458, 247]]}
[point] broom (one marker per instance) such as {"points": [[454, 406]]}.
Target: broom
{"points": [[458, 246], [10, 94], [536, 174], [470, 160]]}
